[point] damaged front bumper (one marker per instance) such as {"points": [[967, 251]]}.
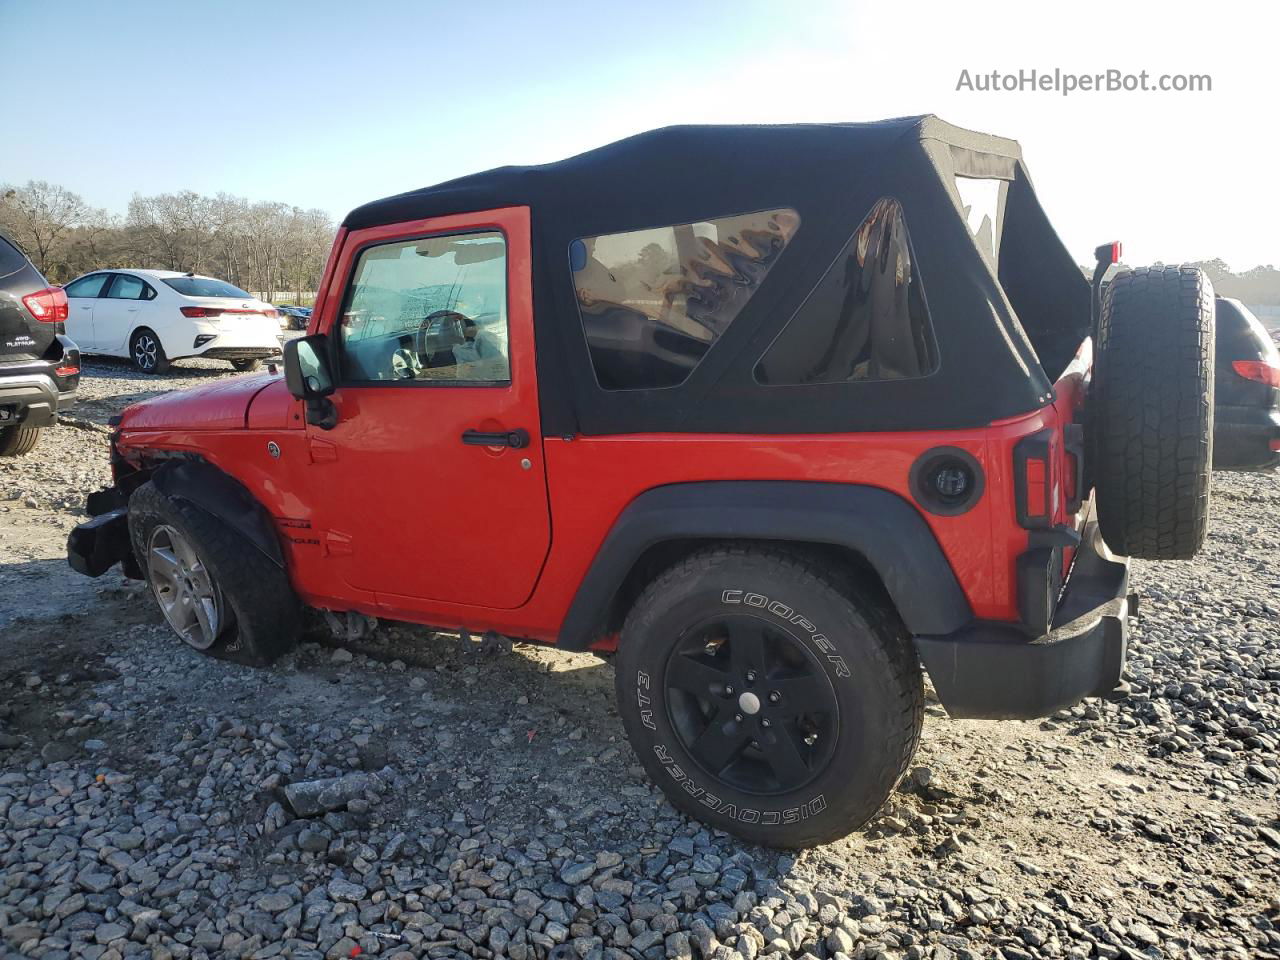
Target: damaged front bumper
{"points": [[97, 545], [992, 671]]}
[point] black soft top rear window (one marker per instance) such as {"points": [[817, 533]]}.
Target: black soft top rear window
{"points": [[205, 287]]}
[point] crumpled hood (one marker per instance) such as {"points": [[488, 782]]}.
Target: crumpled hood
{"points": [[222, 405]]}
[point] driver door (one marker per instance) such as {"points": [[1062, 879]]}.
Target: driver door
{"points": [[431, 486]]}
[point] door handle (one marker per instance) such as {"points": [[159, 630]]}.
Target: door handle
{"points": [[518, 438]]}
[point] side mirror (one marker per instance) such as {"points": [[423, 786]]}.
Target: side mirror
{"points": [[308, 376]]}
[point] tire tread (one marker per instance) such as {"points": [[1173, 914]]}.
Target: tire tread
{"points": [[1152, 422], [17, 440]]}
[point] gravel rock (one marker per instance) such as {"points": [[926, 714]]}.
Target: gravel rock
{"points": [[311, 797]]}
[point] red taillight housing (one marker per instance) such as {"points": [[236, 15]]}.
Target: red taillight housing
{"points": [[67, 370], [1259, 370], [48, 305], [201, 313]]}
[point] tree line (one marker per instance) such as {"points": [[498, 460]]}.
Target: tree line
{"points": [[270, 248]]}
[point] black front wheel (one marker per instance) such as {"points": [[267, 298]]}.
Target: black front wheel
{"points": [[767, 697]]}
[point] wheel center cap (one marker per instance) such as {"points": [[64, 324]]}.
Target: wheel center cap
{"points": [[749, 703]]}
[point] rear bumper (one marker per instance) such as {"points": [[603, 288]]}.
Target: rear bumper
{"points": [[992, 671], [32, 400], [1244, 438], [240, 353]]}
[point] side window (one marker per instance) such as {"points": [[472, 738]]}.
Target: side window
{"points": [[653, 302], [90, 286], [125, 287], [865, 320], [428, 311], [11, 258]]}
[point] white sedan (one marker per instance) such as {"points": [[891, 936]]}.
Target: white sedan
{"points": [[156, 316]]}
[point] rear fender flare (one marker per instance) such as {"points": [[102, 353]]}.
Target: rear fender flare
{"points": [[200, 483], [880, 526]]}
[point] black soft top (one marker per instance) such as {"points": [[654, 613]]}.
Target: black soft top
{"points": [[1001, 322]]}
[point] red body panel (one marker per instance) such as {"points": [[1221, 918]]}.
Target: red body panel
{"points": [[214, 406], [391, 515], [273, 408]]}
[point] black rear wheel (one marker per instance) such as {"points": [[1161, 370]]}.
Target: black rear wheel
{"points": [[17, 440], [751, 704], [246, 366], [147, 352], [768, 696]]}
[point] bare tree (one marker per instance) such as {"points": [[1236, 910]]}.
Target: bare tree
{"points": [[39, 215], [264, 247]]}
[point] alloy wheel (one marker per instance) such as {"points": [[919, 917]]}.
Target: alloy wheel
{"points": [[184, 587], [145, 351], [751, 704]]}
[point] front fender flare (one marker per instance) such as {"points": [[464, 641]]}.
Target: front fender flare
{"points": [[879, 525], [217, 493]]}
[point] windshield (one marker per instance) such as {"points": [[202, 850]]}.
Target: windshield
{"points": [[205, 287]]}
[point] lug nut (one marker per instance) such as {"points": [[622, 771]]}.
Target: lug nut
{"points": [[764, 722], [774, 696], [737, 717], [810, 740], [751, 676], [728, 689]]}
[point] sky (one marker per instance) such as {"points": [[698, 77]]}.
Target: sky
{"points": [[329, 105]]}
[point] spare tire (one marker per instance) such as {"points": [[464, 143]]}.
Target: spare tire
{"points": [[1151, 411]]}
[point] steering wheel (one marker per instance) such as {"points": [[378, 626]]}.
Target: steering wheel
{"points": [[455, 327], [441, 331]]}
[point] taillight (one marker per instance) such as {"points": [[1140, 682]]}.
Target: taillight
{"points": [[1035, 490], [201, 313], [67, 371], [1258, 370], [48, 305]]}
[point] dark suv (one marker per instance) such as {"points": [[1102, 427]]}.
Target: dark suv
{"points": [[776, 415], [39, 365], [1246, 425]]}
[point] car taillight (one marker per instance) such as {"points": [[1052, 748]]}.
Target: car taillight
{"points": [[270, 313], [67, 371], [48, 305], [1035, 487], [1258, 370], [198, 313]]}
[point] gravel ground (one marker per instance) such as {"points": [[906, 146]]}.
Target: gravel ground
{"points": [[158, 803]]}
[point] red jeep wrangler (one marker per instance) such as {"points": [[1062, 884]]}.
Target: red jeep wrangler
{"points": [[775, 414]]}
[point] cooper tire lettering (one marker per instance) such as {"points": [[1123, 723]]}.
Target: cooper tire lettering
{"points": [[788, 614]]}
